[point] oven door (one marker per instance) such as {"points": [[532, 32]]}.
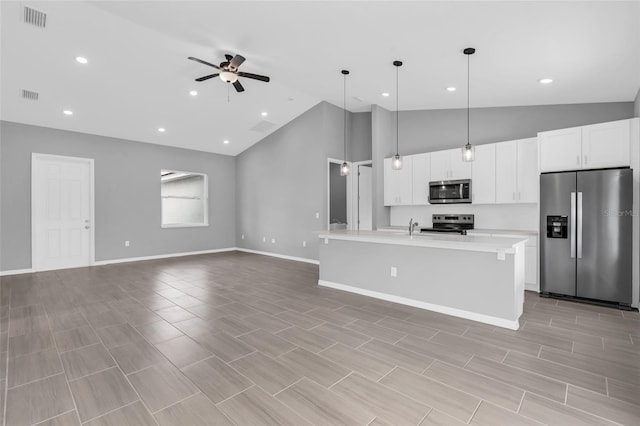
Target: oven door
{"points": [[450, 191]]}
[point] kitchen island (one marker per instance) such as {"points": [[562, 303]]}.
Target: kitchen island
{"points": [[480, 278]]}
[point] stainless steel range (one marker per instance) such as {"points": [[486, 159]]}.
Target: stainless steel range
{"points": [[451, 223]]}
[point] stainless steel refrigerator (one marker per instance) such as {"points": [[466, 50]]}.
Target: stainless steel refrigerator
{"points": [[586, 234]]}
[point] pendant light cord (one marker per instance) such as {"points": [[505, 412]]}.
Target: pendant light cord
{"points": [[344, 104], [397, 113], [468, 90]]}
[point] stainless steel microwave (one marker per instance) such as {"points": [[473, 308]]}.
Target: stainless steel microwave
{"points": [[450, 191]]}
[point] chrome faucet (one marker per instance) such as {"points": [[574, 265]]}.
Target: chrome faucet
{"points": [[412, 224]]}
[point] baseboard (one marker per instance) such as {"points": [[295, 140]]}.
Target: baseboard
{"points": [[160, 256], [16, 272], [487, 319], [281, 256]]}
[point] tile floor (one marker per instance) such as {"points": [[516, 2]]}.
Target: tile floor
{"points": [[236, 338]]}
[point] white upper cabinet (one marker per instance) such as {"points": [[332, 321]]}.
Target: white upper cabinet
{"points": [[517, 171], [421, 165], [448, 165], [506, 172], [483, 176], [606, 145], [398, 183], [588, 147]]}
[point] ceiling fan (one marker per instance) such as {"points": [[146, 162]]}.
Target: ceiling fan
{"points": [[229, 71]]}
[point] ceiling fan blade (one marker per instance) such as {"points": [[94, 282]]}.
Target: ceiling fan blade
{"points": [[238, 86], [207, 77], [236, 61], [254, 76], [203, 62], [229, 57]]}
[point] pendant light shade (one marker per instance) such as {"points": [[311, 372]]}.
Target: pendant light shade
{"points": [[344, 168], [396, 162], [468, 151]]}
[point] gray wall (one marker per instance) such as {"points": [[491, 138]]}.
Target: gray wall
{"points": [[636, 105], [360, 136], [127, 194], [433, 130], [337, 195], [282, 183]]}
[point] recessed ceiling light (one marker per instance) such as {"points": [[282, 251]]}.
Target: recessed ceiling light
{"points": [[264, 113], [451, 89], [193, 93], [225, 142], [161, 129], [545, 81], [67, 112], [81, 59], [385, 94]]}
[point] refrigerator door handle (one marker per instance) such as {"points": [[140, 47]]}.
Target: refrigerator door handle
{"points": [[572, 225], [579, 220]]}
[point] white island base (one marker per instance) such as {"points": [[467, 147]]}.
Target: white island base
{"points": [[477, 278]]}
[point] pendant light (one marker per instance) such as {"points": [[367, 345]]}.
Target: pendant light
{"points": [[468, 151], [396, 161], [344, 169]]}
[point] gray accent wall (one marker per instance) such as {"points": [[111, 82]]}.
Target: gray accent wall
{"points": [[127, 194], [359, 143]]}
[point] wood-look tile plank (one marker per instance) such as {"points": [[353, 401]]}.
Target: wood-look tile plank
{"points": [[196, 410], [132, 414], [136, 356], [431, 393], [216, 379], [305, 339], [28, 343], [224, 346], [321, 406], [603, 406], [315, 367], [38, 401], [511, 342], [624, 391], [361, 314], [267, 343], [384, 402], [159, 331], [544, 386], [438, 321], [161, 385], [266, 372], [69, 418], [341, 335], [408, 327], [332, 316], [459, 343], [231, 325], [492, 415], [183, 351], [550, 412], [266, 322], [627, 358], [560, 372], [438, 418], [118, 335], [434, 350], [101, 392], [255, 407], [483, 387], [32, 367], [84, 361], [299, 319], [353, 359], [378, 332], [75, 338], [397, 356]]}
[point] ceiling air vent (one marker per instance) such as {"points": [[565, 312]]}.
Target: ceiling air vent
{"points": [[263, 126], [34, 17], [30, 95]]}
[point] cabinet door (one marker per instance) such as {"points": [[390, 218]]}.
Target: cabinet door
{"points": [[440, 169], [506, 172], [527, 165], [404, 186], [606, 145], [560, 150], [459, 169], [390, 178], [421, 176], [483, 175]]}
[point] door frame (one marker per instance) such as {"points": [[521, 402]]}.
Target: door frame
{"points": [[355, 193], [35, 157], [349, 191]]}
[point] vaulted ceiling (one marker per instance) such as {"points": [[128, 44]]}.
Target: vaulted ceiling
{"points": [[138, 78]]}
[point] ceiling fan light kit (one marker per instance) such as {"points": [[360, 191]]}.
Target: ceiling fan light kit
{"points": [[468, 151], [229, 71], [396, 162], [344, 168]]}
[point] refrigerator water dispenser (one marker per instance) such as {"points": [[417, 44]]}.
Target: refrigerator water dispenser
{"points": [[557, 226]]}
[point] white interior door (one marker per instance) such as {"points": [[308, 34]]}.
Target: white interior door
{"points": [[62, 212], [365, 198]]}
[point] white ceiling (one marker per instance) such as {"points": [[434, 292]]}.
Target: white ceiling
{"points": [[138, 76]]}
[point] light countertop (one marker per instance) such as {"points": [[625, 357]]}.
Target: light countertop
{"points": [[493, 244]]}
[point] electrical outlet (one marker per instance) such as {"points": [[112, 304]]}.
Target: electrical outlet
{"points": [[273, 241], [264, 239], [394, 271], [317, 215], [304, 244], [126, 244]]}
